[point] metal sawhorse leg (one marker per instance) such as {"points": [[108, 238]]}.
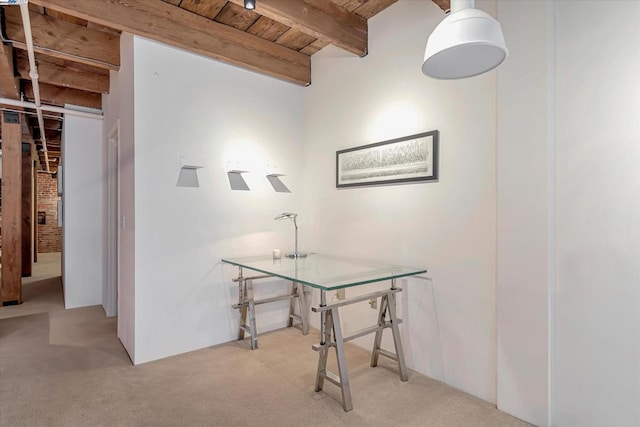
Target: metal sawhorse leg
{"points": [[246, 305], [331, 336]]}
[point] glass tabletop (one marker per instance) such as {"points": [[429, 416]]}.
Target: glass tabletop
{"points": [[324, 271]]}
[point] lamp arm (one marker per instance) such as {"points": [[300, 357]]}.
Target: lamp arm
{"points": [[296, 243]]}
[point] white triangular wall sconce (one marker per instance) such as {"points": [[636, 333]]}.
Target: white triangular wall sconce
{"points": [[277, 184], [189, 166], [234, 174], [274, 179]]}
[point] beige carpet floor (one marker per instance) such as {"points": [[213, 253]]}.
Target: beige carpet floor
{"points": [[67, 368]]}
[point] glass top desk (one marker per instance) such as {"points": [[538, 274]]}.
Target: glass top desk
{"points": [[327, 273]]}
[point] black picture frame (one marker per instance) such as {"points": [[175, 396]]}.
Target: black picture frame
{"points": [[409, 159]]}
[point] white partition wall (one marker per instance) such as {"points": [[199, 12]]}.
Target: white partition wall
{"points": [[213, 114], [526, 210], [569, 213], [596, 347], [82, 212]]}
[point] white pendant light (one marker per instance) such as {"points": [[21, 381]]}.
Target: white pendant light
{"points": [[466, 43]]}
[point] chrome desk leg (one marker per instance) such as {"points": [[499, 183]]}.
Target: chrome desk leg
{"points": [[330, 323], [325, 340], [292, 305], [245, 303], [300, 290], [388, 306], [396, 333], [242, 299], [342, 361], [303, 303], [382, 316], [252, 315]]}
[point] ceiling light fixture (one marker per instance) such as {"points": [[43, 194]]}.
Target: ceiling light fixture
{"points": [[249, 4], [466, 43]]}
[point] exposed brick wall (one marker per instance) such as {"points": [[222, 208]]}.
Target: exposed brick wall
{"points": [[48, 233]]}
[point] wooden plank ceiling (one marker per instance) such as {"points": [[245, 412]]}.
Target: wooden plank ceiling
{"points": [[77, 44]]}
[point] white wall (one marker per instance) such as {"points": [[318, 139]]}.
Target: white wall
{"points": [[118, 108], [569, 213], [596, 352], [525, 236], [447, 226], [215, 113], [82, 211]]}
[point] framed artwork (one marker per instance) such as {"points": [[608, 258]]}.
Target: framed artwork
{"points": [[409, 159]]}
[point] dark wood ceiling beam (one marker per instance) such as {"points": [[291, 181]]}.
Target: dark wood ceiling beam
{"points": [[9, 84], [56, 95], [52, 136], [52, 124], [49, 124], [66, 77], [208, 9], [319, 18], [445, 5], [65, 40], [371, 8], [65, 17], [172, 25]]}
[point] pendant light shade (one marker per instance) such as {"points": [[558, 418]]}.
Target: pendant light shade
{"points": [[466, 43]]}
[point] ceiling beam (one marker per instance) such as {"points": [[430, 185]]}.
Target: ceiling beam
{"points": [[52, 124], [319, 18], [49, 124], [64, 40], [56, 95], [9, 84], [53, 136], [369, 8], [64, 76], [172, 25], [445, 5]]}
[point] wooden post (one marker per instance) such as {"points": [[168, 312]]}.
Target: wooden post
{"points": [[27, 210], [11, 284]]}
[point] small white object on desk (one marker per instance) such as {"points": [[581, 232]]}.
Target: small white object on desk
{"points": [[277, 254]]}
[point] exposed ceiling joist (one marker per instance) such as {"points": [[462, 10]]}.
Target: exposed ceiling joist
{"points": [[445, 5], [320, 18], [168, 24], [53, 138], [56, 95], [65, 76], [208, 9], [365, 8], [65, 40], [52, 124]]}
